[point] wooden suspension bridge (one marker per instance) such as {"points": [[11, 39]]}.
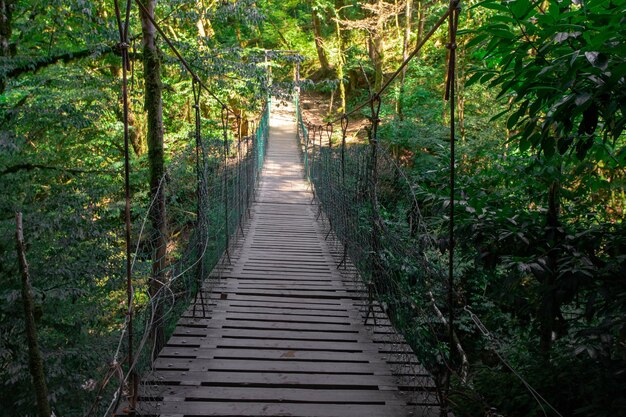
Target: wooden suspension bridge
{"points": [[284, 332]]}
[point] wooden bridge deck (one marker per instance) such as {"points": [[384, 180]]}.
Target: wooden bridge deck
{"points": [[284, 334]]}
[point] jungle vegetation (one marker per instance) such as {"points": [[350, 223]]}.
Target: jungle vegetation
{"points": [[541, 170]]}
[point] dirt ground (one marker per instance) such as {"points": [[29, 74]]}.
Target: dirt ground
{"points": [[315, 110]]}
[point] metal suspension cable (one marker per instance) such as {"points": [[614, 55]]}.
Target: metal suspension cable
{"points": [[123, 27], [329, 132], [239, 158], [344, 132], [366, 171], [496, 343], [177, 53], [453, 20], [226, 152], [412, 55], [346, 200], [154, 301], [332, 190], [128, 381], [195, 87]]}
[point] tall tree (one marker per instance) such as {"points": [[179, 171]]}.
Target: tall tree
{"points": [[341, 59], [421, 20], [376, 42], [154, 106], [35, 360], [405, 54], [6, 14], [377, 13], [319, 40], [567, 90]]}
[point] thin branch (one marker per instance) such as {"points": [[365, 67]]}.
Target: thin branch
{"points": [[30, 167]]}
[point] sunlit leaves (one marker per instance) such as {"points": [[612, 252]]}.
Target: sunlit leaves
{"points": [[563, 67]]}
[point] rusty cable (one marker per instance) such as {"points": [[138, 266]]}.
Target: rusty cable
{"points": [[412, 55], [453, 20], [122, 26], [224, 116], [344, 132], [329, 132]]}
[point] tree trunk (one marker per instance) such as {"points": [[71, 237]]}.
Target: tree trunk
{"points": [[549, 308], [332, 102], [377, 48], [6, 14], [460, 86], [35, 361], [421, 19], [405, 55], [136, 133], [203, 24], [397, 19], [135, 123], [341, 62], [319, 42], [154, 107]]}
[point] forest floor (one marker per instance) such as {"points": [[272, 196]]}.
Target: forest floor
{"points": [[316, 110]]}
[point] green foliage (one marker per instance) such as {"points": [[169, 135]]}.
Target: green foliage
{"points": [[61, 160], [563, 66], [553, 70]]}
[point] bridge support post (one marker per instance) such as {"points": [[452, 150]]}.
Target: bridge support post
{"points": [[239, 163], [225, 190], [200, 218], [123, 24], [374, 284]]}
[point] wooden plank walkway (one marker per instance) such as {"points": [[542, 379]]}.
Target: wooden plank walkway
{"points": [[284, 334]]}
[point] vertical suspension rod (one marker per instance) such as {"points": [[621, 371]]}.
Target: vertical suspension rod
{"points": [[375, 104], [200, 223], [225, 191], [453, 18], [239, 159], [344, 132], [123, 25]]}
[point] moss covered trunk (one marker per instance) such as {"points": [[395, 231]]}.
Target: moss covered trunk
{"points": [[6, 13], [35, 361], [376, 46], [341, 61], [319, 42], [405, 54], [154, 108]]}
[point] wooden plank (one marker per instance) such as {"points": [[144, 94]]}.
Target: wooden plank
{"points": [[293, 294], [318, 269], [272, 259], [264, 379], [269, 283], [278, 394], [302, 319], [282, 366], [264, 309], [294, 344], [232, 333], [298, 307], [273, 354], [280, 300], [281, 395], [275, 325], [195, 408]]}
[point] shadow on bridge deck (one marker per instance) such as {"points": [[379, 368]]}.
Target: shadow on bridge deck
{"points": [[284, 333]]}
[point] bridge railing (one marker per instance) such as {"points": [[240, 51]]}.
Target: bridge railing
{"points": [[378, 236], [207, 189]]}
